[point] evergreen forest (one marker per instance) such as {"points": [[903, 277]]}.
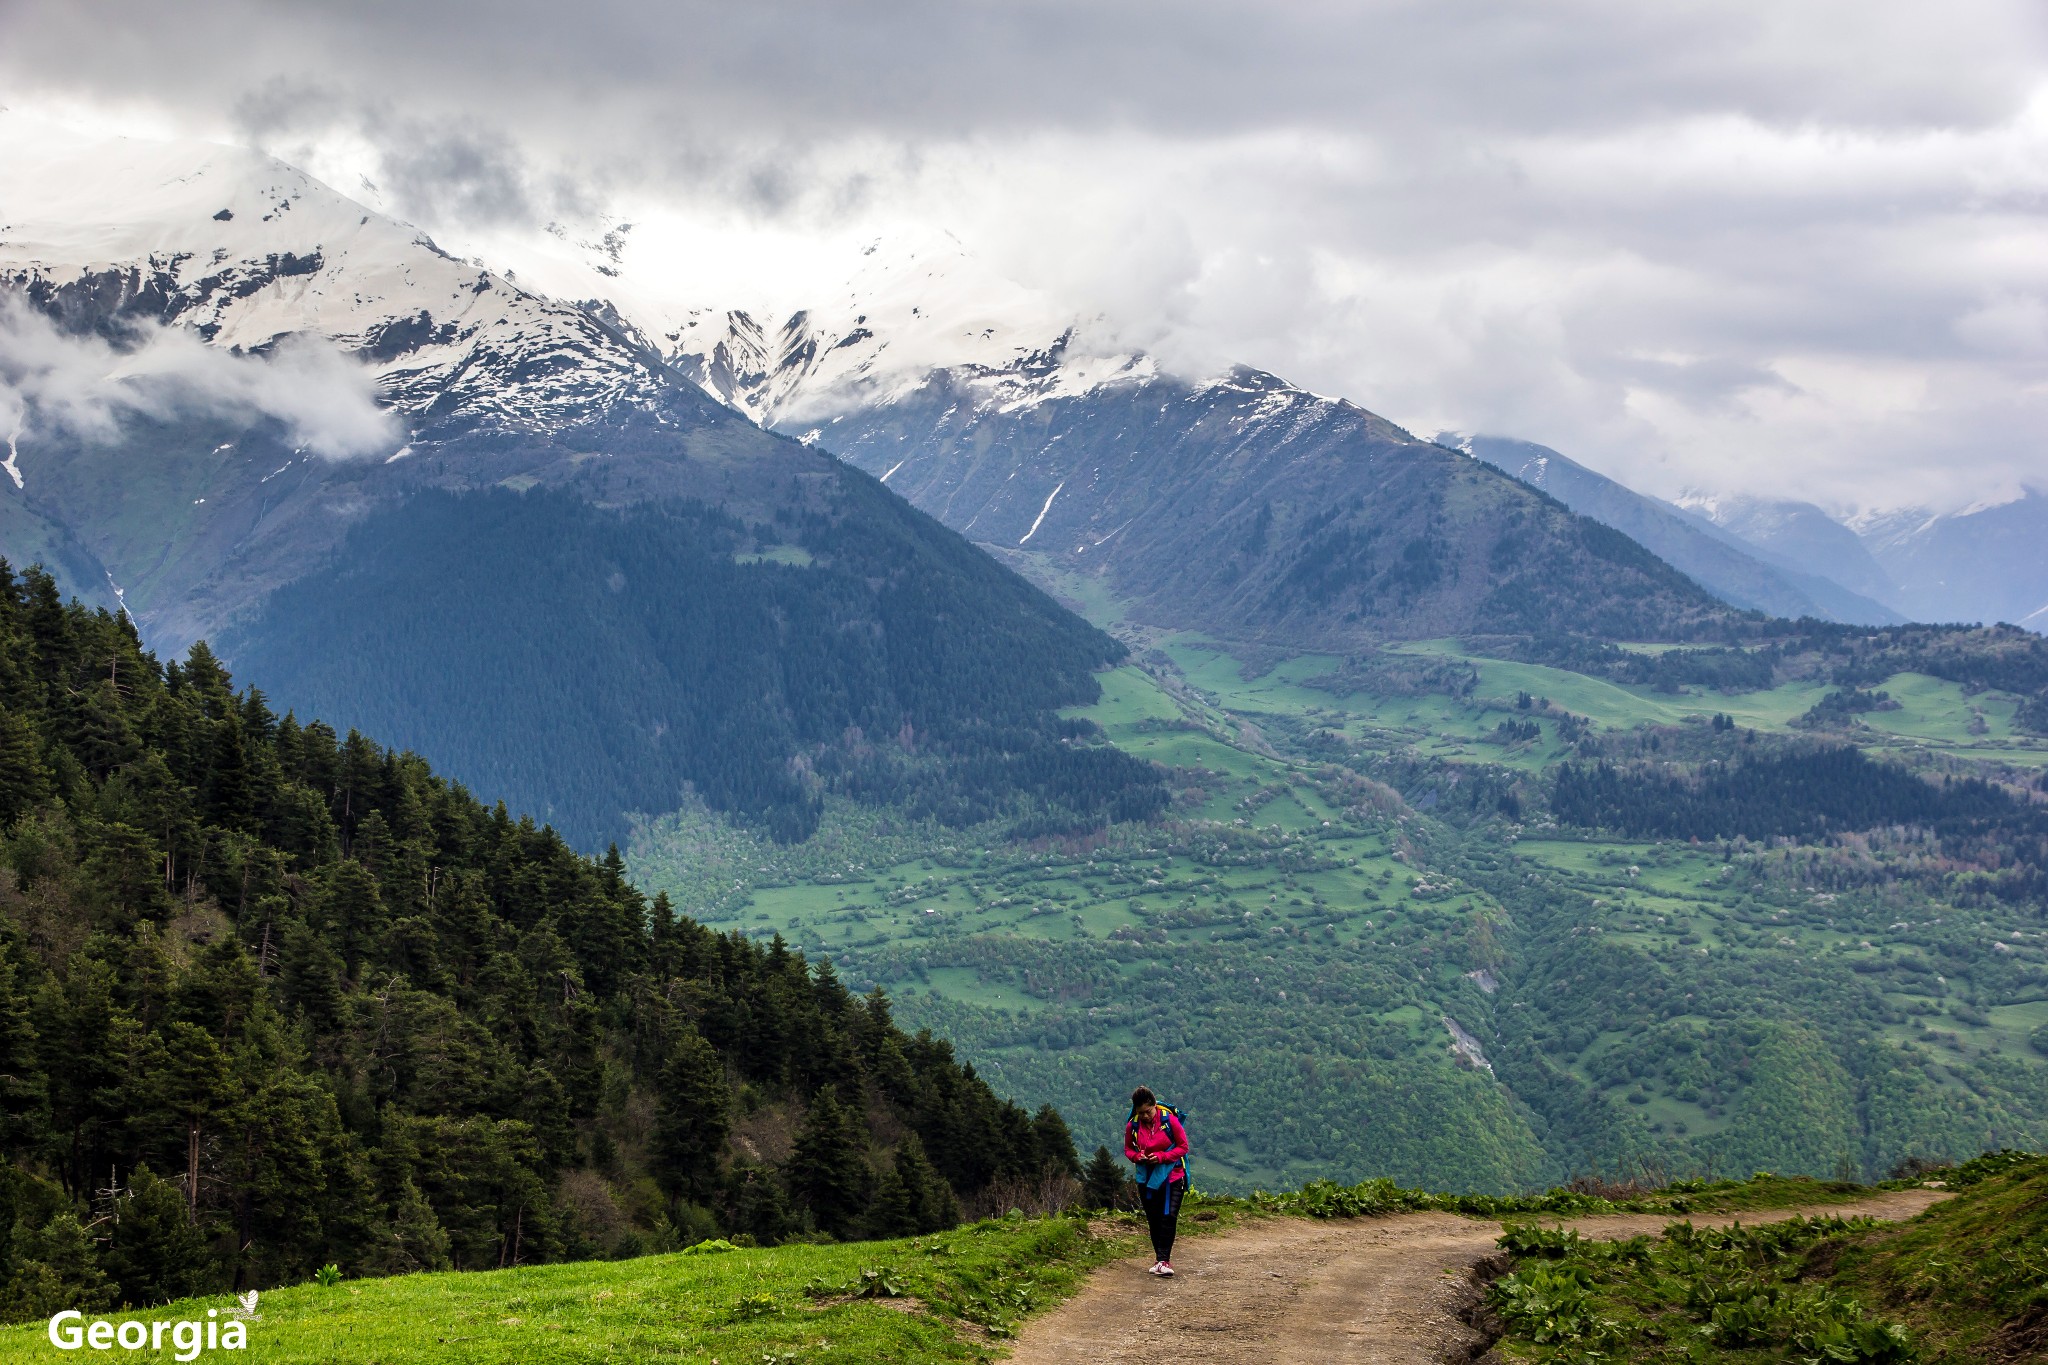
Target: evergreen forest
{"points": [[274, 998]]}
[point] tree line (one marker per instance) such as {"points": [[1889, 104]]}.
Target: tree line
{"points": [[273, 997], [1799, 793]]}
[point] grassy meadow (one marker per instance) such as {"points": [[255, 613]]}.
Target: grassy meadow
{"points": [[950, 1297]]}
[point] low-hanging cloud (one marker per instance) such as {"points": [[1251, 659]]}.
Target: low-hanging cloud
{"points": [[86, 385], [1785, 249]]}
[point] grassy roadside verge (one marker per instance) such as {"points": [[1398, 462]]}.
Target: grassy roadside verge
{"points": [[950, 1297], [1965, 1283], [1368, 1198]]}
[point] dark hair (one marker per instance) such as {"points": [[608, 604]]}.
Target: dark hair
{"points": [[1141, 1097]]}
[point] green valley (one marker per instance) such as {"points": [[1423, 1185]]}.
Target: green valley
{"points": [[1360, 943]]}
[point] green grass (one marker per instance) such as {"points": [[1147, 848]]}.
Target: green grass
{"points": [[1932, 714], [1964, 1283], [1969, 1278], [1374, 1198], [955, 1294]]}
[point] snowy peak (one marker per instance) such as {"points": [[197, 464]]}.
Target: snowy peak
{"points": [[109, 233], [912, 309]]}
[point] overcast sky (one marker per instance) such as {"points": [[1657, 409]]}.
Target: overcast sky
{"points": [[1744, 245]]}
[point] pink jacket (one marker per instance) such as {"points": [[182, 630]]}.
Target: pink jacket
{"points": [[1161, 1141]]}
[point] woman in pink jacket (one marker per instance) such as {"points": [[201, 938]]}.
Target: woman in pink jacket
{"points": [[1156, 1141]]}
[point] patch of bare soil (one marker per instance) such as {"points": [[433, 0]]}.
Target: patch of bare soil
{"points": [[1294, 1291]]}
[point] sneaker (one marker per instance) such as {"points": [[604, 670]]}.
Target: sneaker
{"points": [[1164, 1269]]}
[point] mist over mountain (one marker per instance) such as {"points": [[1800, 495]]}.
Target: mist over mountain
{"points": [[556, 565], [1237, 504]]}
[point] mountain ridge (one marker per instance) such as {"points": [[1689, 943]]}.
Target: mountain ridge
{"points": [[1718, 559], [203, 512]]}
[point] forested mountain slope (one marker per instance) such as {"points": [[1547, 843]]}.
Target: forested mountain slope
{"points": [[1250, 509], [1716, 559], [272, 997]]}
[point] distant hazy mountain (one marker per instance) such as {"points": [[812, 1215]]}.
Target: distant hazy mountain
{"points": [[565, 573], [1798, 536], [1985, 563], [1741, 573]]}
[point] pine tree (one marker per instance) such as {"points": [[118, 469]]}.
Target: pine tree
{"points": [[352, 913], [828, 1170], [407, 1236], [24, 777], [182, 1086], [54, 1267], [930, 1199], [1103, 1182], [1055, 1143], [21, 1086], [156, 1254], [692, 1118], [889, 1213], [230, 790], [343, 1110], [312, 974]]}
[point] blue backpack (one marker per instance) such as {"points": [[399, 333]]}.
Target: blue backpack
{"points": [[1181, 1163]]}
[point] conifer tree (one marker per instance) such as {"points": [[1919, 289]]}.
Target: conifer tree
{"points": [[828, 1170], [21, 1089], [929, 1199], [1055, 1143], [54, 1267], [24, 777], [693, 1118], [1103, 1181], [386, 1060], [155, 1254]]}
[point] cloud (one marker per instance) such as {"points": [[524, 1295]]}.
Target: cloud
{"points": [[87, 385], [1800, 246]]}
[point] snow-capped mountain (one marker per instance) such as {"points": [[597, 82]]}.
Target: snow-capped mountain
{"points": [[1798, 536], [1038, 434], [406, 491], [917, 305], [245, 251], [1981, 563], [133, 249], [1237, 503]]}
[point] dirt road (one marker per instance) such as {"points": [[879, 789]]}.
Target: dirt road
{"points": [[1291, 1291]]}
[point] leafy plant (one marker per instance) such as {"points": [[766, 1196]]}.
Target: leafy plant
{"points": [[1550, 1305], [712, 1246]]}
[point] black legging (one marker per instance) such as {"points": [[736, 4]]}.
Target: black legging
{"points": [[1162, 1215]]}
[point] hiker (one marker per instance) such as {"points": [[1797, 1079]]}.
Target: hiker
{"points": [[1156, 1141]]}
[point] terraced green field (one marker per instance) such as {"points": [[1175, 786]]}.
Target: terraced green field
{"points": [[1933, 715], [1288, 952]]}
